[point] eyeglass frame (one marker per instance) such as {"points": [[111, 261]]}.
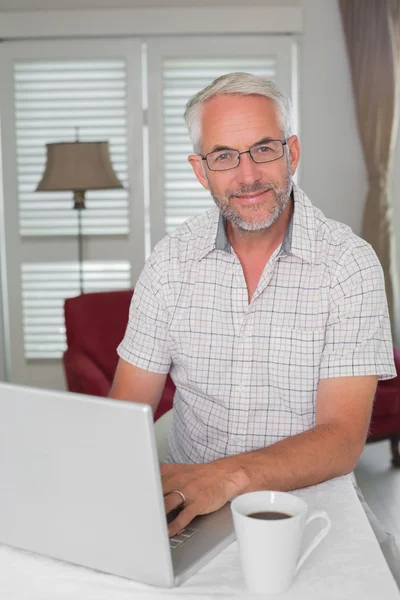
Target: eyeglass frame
{"points": [[264, 162]]}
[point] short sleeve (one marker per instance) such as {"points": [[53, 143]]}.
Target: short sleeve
{"points": [[145, 343], [358, 336]]}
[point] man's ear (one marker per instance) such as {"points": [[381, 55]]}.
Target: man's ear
{"points": [[294, 152], [197, 166]]}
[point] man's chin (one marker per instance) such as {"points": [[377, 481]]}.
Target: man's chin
{"points": [[254, 226]]}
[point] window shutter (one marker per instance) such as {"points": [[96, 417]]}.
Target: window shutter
{"points": [[44, 289], [184, 196], [54, 100]]}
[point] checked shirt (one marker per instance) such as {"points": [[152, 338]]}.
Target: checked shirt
{"points": [[247, 373]]}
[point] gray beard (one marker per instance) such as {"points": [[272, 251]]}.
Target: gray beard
{"points": [[281, 197]]}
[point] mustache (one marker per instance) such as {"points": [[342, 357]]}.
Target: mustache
{"points": [[249, 189]]}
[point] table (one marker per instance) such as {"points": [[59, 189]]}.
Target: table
{"points": [[347, 564]]}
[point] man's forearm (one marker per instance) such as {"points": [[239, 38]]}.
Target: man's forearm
{"points": [[305, 459], [299, 461], [137, 385]]}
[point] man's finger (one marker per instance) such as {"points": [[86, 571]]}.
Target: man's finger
{"points": [[183, 519], [173, 500]]}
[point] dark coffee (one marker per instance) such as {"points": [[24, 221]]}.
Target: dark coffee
{"points": [[269, 515]]}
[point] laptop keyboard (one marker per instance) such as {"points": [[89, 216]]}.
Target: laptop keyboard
{"points": [[183, 535]]}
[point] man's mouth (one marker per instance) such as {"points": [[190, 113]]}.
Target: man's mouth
{"points": [[250, 197]]}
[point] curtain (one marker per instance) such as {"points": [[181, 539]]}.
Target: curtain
{"points": [[372, 34]]}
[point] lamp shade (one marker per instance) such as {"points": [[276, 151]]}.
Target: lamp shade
{"points": [[78, 166]]}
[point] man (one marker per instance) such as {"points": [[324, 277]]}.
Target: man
{"points": [[271, 318]]}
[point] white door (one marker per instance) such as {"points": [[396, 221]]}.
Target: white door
{"points": [[49, 89], [131, 93]]}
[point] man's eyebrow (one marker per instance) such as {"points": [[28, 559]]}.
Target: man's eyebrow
{"points": [[265, 140], [218, 148]]}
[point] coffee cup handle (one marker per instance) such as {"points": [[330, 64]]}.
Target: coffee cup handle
{"points": [[319, 514]]}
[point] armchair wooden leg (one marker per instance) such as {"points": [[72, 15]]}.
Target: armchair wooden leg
{"points": [[394, 444]]}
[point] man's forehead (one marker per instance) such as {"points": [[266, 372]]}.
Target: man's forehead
{"points": [[229, 118]]}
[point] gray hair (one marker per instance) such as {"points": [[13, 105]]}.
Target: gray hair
{"points": [[243, 84]]}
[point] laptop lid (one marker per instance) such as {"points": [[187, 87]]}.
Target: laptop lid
{"points": [[80, 482]]}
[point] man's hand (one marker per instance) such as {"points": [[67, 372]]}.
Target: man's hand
{"points": [[206, 488]]}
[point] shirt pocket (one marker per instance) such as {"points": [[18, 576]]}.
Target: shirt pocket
{"points": [[293, 365]]}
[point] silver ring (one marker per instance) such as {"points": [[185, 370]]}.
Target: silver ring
{"points": [[181, 495]]}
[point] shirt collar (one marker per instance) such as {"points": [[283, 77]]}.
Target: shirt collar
{"points": [[302, 228], [299, 238], [215, 236]]}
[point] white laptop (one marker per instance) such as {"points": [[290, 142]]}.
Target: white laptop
{"points": [[80, 482]]}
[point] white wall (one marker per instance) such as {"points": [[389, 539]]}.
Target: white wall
{"points": [[2, 341], [12, 5], [2, 346], [333, 171]]}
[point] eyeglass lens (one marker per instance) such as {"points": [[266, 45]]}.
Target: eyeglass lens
{"points": [[229, 159]]}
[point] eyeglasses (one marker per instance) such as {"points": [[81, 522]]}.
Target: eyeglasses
{"points": [[224, 160]]}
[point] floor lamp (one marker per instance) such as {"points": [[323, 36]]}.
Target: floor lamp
{"points": [[78, 167]]}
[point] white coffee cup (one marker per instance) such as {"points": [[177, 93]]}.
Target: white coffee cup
{"points": [[269, 549]]}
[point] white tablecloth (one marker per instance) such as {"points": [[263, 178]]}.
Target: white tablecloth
{"points": [[348, 564]]}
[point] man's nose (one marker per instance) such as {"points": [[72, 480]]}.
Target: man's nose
{"points": [[247, 170]]}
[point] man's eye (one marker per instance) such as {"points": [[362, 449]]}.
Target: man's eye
{"points": [[263, 149], [224, 156]]}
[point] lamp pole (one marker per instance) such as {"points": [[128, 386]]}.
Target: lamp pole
{"points": [[79, 205]]}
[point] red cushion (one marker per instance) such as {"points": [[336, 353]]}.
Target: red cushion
{"points": [[387, 402], [83, 375], [385, 419], [167, 399], [96, 323]]}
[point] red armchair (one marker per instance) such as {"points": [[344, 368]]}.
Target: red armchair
{"points": [[385, 421], [95, 324]]}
